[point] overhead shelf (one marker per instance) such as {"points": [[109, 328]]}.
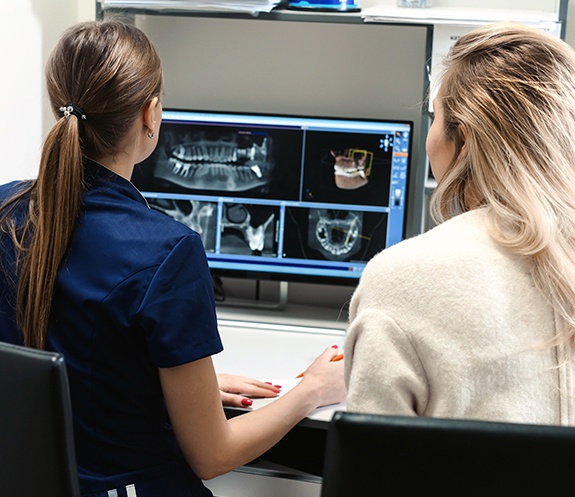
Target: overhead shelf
{"points": [[276, 14]]}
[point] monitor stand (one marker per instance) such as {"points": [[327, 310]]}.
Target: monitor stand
{"points": [[279, 304]]}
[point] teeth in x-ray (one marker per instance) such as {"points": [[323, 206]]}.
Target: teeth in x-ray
{"points": [[218, 151], [239, 218], [337, 234], [217, 164], [256, 169]]}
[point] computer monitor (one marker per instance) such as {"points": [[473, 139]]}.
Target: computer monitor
{"points": [[282, 197]]}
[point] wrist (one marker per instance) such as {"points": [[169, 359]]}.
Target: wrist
{"points": [[310, 390]]}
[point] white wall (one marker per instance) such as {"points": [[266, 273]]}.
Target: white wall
{"points": [[28, 31]]}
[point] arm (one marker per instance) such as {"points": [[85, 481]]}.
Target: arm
{"points": [[214, 445], [383, 371]]}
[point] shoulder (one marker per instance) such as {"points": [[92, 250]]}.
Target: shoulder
{"points": [[14, 205], [449, 261], [118, 214], [460, 239], [127, 238], [465, 229], [8, 190]]}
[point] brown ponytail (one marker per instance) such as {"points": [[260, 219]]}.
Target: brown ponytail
{"points": [[54, 209], [110, 70]]}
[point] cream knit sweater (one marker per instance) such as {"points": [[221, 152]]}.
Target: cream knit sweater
{"points": [[448, 324]]}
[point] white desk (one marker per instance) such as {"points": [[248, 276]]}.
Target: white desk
{"points": [[275, 346]]}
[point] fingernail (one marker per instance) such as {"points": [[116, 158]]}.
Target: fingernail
{"points": [[247, 402], [276, 390], [277, 386], [268, 382], [334, 347]]}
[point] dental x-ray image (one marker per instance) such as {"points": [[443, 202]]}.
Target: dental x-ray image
{"points": [[249, 229], [232, 162], [347, 169], [242, 161], [276, 196], [197, 215], [333, 234]]}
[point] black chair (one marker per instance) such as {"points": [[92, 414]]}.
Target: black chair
{"points": [[372, 455], [36, 438]]}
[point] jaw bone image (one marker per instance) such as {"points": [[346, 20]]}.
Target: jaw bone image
{"points": [[233, 163], [238, 218], [352, 170], [335, 233], [199, 216]]}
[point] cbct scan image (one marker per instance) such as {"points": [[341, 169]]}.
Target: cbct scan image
{"points": [[348, 168], [247, 162], [197, 215], [333, 234], [249, 229], [233, 162], [336, 234]]}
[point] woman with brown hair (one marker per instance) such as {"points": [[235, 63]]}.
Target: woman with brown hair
{"points": [[476, 318], [124, 292]]}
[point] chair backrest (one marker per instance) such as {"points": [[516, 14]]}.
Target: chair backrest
{"points": [[403, 456], [36, 438]]}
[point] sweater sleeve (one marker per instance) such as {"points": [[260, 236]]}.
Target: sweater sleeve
{"points": [[383, 372]]}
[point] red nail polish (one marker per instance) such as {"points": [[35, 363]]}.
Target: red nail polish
{"points": [[334, 347], [247, 402], [277, 386], [268, 382]]}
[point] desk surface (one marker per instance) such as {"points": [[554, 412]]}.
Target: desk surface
{"points": [[276, 347]]}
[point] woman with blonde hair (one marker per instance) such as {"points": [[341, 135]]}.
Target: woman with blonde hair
{"points": [[476, 318], [124, 292]]}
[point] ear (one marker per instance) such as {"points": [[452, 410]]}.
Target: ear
{"points": [[148, 115]]}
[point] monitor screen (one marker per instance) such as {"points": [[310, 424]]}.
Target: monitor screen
{"points": [[282, 197]]}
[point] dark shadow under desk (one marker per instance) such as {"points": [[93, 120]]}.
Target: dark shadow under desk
{"points": [[300, 454]]}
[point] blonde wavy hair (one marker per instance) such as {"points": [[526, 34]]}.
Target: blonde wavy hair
{"points": [[508, 95]]}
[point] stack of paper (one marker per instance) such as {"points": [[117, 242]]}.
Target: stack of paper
{"points": [[240, 6], [451, 15]]}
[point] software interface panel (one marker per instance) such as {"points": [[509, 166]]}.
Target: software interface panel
{"points": [[283, 195]]}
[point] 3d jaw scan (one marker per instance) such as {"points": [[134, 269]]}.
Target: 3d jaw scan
{"points": [[352, 170], [335, 233], [234, 163]]}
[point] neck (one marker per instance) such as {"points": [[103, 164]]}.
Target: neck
{"points": [[123, 168]]}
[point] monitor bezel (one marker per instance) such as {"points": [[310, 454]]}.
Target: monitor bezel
{"points": [[303, 277]]}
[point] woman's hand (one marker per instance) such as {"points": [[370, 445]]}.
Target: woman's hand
{"points": [[235, 389], [325, 378]]}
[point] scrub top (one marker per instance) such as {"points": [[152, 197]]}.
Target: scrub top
{"points": [[133, 294]]}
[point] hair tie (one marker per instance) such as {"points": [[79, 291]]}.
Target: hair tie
{"points": [[71, 109]]}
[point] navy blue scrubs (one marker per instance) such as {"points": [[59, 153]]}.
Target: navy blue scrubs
{"points": [[133, 294]]}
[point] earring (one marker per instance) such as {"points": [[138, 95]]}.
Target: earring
{"points": [[150, 135]]}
